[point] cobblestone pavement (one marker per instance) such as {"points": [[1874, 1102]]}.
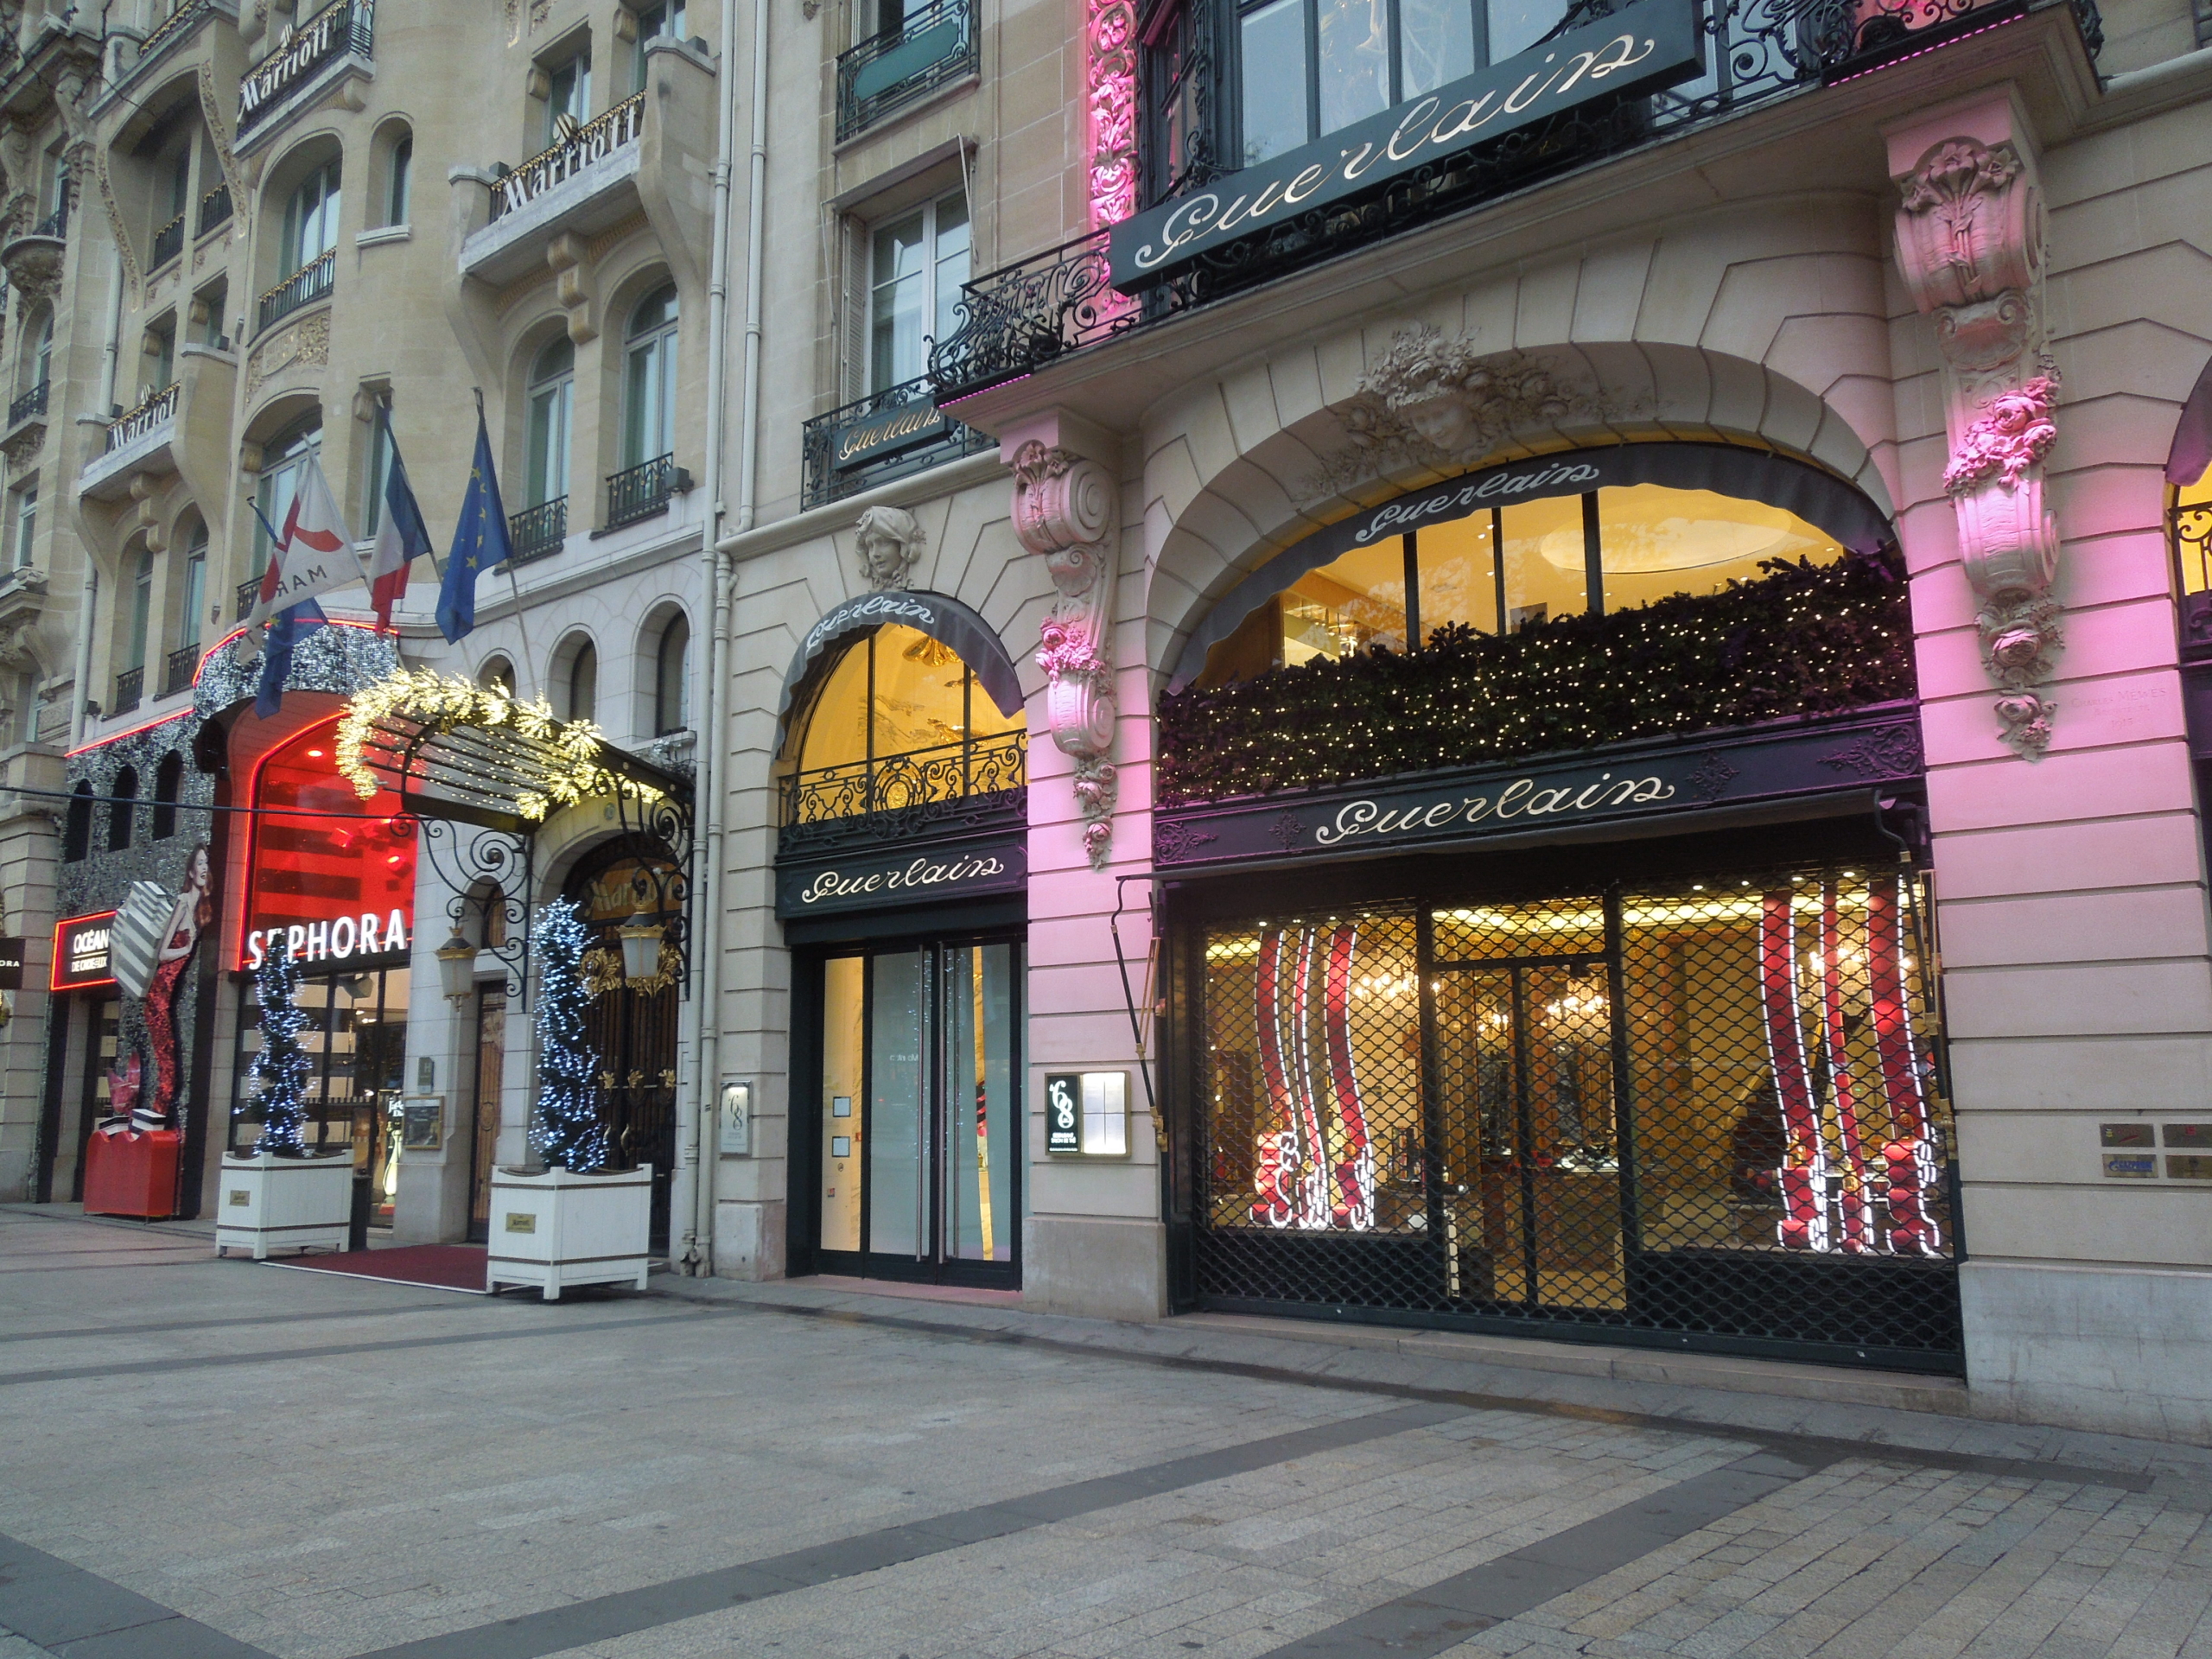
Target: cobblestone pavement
{"points": [[217, 1460]]}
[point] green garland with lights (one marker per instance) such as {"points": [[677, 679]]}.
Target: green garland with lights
{"points": [[1802, 640]]}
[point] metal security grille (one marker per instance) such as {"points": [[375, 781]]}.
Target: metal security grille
{"points": [[1705, 1112]]}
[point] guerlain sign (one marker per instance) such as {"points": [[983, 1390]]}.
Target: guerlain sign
{"points": [[1640, 49], [1874, 748], [891, 877]]}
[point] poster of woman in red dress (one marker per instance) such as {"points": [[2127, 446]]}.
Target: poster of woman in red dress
{"points": [[195, 910]]}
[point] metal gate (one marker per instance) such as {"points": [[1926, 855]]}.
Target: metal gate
{"points": [[1703, 1113]]}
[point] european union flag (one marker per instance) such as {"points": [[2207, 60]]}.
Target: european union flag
{"points": [[480, 541], [286, 629]]}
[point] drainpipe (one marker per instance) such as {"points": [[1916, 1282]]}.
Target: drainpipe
{"points": [[715, 572], [109, 367]]}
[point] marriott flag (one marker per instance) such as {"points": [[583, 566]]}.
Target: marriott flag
{"points": [[314, 551]]}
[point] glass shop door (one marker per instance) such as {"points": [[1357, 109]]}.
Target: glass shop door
{"points": [[920, 1113], [1531, 1168]]}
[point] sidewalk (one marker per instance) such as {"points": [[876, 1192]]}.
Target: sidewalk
{"points": [[1911, 1415]]}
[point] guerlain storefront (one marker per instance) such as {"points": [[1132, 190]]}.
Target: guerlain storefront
{"points": [[1571, 973]]}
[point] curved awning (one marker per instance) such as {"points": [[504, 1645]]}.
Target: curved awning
{"points": [[946, 620], [456, 750]]}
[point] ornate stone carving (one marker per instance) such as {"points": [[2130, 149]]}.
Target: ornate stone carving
{"points": [[306, 344], [219, 129], [1970, 231], [1063, 509], [1113, 101], [891, 540], [1431, 402]]}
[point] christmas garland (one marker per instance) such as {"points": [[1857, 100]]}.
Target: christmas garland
{"points": [[1802, 640], [569, 750]]}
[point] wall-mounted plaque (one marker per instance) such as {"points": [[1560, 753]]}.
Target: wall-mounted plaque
{"points": [[2193, 1166], [422, 1123], [2136, 1166], [2126, 1134], [1087, 1114], [2190, 1134], [11, 965], [734, 1120], [521, 1221]]}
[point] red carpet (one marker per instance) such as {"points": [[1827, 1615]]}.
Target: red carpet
{"points": [[443, 1266]]}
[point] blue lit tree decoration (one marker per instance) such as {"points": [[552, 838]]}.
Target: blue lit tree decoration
{"points": [[282, 1067], [567, 1131]]}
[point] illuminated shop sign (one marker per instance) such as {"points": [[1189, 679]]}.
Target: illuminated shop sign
{"points": [[1550, 798], [333, 880], [80, 951], [1640, 49], [887, 432], [869, 879]]}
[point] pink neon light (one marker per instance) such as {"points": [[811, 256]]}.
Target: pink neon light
{"points": [[1948, 40]]}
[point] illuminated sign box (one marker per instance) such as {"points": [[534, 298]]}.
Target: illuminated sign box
{"points": [[80, 951], [1087, 1114], [333, 879]]}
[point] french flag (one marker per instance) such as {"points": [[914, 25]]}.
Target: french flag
{"points": [[401, 538]]}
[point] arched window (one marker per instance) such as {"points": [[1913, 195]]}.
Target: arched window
{"points": [[552, 403], [284, 463], [900, 717], [122, 810], [141, 609], [582, 688], [649, 379], [38, 362], [498, 673], [398, 180], [77, 832], [672, 677], [192, 589], [310, 218], [169, 784]]}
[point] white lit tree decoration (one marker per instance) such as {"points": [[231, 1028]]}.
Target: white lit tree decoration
{"points": [[567, 1131], [282, 1067]]}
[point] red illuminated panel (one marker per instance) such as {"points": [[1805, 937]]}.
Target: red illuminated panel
{"points": [[81, 946], [335, 883]]}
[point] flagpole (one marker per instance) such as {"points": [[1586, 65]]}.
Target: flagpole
{"points": [[513, 586], [391, 437]]}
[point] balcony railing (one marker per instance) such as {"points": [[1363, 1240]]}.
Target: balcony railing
{"points": [[30, 404], [55, 224], [303, 287], [536, 531], [169, 242], [348, 29], [127, 429], [1024, 315], [177, 673], [185, 14], [129, 687], [952, 787], [890, 435], [640, 491], [933, 47], [215, 208], [597, 138], [246, 592]]}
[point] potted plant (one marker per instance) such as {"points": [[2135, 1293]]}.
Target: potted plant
{"points": [[572, 1221], [282, 1194]]}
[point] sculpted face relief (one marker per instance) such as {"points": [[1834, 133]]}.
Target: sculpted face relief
{"points": [[1648, 45]]}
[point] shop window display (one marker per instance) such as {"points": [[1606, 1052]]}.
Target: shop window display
{"points": [[1704, 1105]]}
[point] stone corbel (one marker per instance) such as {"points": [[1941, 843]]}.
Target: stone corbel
{"points": [[1971, 230], [569, 256], [1063, 510]]}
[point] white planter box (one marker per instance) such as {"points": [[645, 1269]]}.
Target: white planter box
{"points": [[269, 1203], [558, 1229]]}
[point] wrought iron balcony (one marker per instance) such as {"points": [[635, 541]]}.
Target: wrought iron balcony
{"points": [[950, 788], [890, 434], [32, 403], [246, 592], [169, 242], [177, 673], [1018, 318], [932, 48], [536, 531], [303, 287], [130, 688], [128, 428], [172, 29], [640, 491], [597, 138], [215, 208], [347, 29], [55, 224]]}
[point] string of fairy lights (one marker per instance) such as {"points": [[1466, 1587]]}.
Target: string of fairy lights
{"points": [[1802, 640]]}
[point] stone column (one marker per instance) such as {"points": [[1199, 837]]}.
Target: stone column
{"points": [[30, 854]]}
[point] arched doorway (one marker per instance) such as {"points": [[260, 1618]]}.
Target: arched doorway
{"points": [[899, 879], [632, 1023]]}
